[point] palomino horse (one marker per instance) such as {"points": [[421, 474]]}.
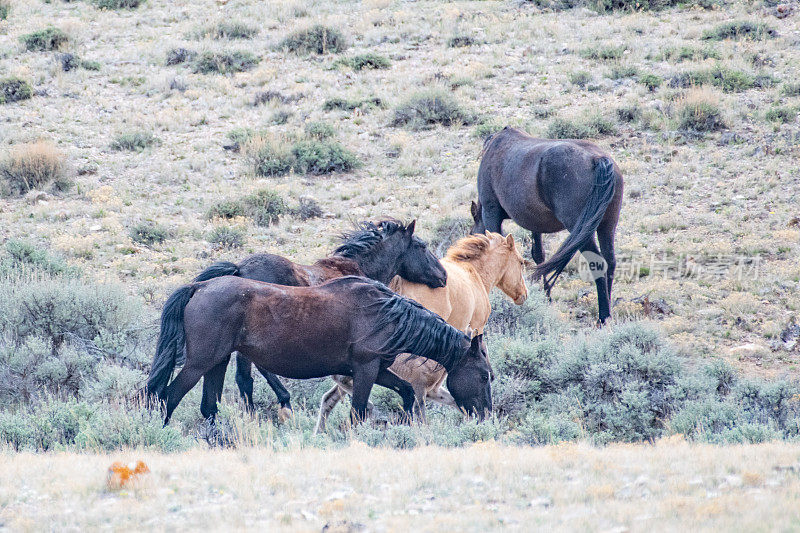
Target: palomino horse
{"points": [[379, 251], [474, 265], [351, 326], [546, 186]]}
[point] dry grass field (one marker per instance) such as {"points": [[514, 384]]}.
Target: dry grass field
{"points": [[143, 165], [671, 486]]}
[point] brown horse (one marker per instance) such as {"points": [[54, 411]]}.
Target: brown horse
{"points": [[379, 251], [546, 186], [474, 265], [351, 326]]}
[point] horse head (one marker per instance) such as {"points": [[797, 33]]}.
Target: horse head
{"points": [[469, 381]]}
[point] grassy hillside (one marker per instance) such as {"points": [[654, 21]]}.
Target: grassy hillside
{"points": [[708, 230]]}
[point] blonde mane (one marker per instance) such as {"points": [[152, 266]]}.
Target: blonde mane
{"points": [[469, 248]]}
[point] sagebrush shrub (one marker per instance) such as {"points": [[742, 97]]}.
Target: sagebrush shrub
{"points": [[44, 40], [22, 254], [270, 157], [227, 237], [117, 4], [225, 62], [781, 114], [176, 56], [323, 157], [605, 53], [651, 81], [367, 61], [460, 41], [231, 30], [447, 231], [148, 233], [697, 111], [307, 208], [265, 206], [319, 130], [33, 166], [317, 39], [5, 9], [739, 29], [347, 104], [428, 108], [591, 126], [580, 78], [134, 141]]}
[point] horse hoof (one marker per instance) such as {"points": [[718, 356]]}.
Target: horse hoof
{"points": [[285, 414]]}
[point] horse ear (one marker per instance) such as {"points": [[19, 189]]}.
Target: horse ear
{"points": [[475, 343], [510, 241], [475, 210], [411, 226]]}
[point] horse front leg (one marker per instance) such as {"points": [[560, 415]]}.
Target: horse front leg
{"points": [[285, 412], [390, 380], [364, 376]]}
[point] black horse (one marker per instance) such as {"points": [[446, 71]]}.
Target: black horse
{"points": [[546, 186], [379, 251], [351, 326]]}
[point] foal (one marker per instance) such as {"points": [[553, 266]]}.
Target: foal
{"points": [[475, 265]]}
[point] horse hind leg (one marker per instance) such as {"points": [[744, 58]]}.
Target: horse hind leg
{"points": [[603, 306], [244, 380], [213, 382], [605, 236], [285, 412], [183, 383], [326, 405]]}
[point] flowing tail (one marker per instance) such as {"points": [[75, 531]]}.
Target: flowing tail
{"points": [[170, 342], [222, 268], [592, 214]]}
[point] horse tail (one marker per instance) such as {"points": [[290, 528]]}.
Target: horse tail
{"points": [[170, 341], [588, 221], [221, 268]]}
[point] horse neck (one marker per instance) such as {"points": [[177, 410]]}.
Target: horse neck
{"points": [[488, 268]]}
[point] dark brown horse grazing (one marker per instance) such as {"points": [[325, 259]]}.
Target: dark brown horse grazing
{"points": [[350, 326], [379, 251], [546, 186]]}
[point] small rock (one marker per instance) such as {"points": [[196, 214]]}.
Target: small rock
{"points": [[96, 227], [544, 501]]}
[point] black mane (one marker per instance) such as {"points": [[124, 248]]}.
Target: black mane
{"points": [[366, 235], [417, 330]]}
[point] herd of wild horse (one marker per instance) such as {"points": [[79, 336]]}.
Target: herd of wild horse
{"points": [[382, 309]]}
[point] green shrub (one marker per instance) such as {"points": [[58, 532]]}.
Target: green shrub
{"points": [[22, 254], [791, 89], [687, 53], [699, 114], [651, 81], [307, 208], [44, 40], [729, 80], [619, 72], [271, 158], [227, 237], [148, 233], [739, 29], [57, 310], [225, 62], [315, 40], [134, 141], [427, 108], [117, 4], [239, 137], [460, 41], [580, 78], [605, 53], [781, 114], [487, 128], [265, 207], [589, 127], [346, 104], [319, 130], [323, 157], [227, 209], [368, 60], [33, 166], [5, 8], [629, 113], [230, 30], [176, 56], [280, 117]]}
